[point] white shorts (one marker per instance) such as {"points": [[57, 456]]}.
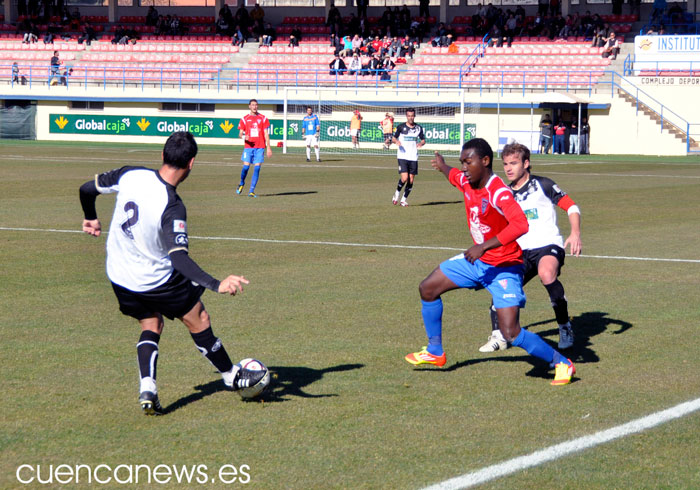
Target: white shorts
{"points": [[354, 132], [311, 139]]}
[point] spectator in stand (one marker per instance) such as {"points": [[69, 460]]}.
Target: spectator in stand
{"points": [[152, 16], [335, 43], [269, 35], [31, 34], [375, 46], [297, 34], [545, 134], [404, 18], [87, 35], [293, 41], [424, 8], [560, 138], [375, 65], [600, 36], [585, 131], [347, 47], [356, 43], [242, 18], [75, 19], [511, 28], [257, 14], [49, 34], [387, 66], [238, 39], [657, 11], [119, 34], [67, 73], [175, 26], [223, 28], [334, 16], [337, 66], [226, 13], [15, 72], [355, 65], [362, 8], [407, 48], [55, 66], [573, 138], [611, 48]]}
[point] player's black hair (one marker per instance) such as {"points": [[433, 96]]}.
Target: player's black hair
{"points": [[517, 148], [179, 149], [309, 107], [481, 148], [411, 109], [252, 100]]}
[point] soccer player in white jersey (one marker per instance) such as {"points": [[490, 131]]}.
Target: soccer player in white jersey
{"points": [[543, 246], [311, 132], [408, 138], [149, 266]]}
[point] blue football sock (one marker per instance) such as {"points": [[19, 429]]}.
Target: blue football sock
{"points": [[256, 174], [535, 346], [432, 319], [244, 173]]}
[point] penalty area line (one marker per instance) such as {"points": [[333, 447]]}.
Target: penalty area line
{"points": [[358, 245], [558, 451]]}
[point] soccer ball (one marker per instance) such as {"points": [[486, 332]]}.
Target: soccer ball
{"points": [[253, 391]]}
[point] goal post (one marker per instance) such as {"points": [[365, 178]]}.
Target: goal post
{"points": [[443, 114]]}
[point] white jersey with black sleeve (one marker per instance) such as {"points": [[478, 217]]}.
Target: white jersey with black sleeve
{"points": [[409, 138], [538, 198], [149, 223]]}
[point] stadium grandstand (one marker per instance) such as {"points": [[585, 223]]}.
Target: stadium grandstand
{"points": [[512, 48]]}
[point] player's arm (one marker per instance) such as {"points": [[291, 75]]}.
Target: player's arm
{"points": [[104, 183], [303, 127], [562, 199], [574, 213], [395, 137], [421, 137], [266, 134], [438, 163]]}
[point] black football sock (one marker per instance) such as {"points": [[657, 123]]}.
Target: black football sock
{"points": [[212, 349], [409, 188], [559, 303], [399, 186], [147, 353]]}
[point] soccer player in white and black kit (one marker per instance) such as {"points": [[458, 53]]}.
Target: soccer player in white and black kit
{"points": [[543, 246], [408, 138], [149, 266]]}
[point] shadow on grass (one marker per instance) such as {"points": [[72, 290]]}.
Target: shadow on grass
{"points": [[286, 381], [438, 203], [289, 381], [297, 193], [586, 326]]}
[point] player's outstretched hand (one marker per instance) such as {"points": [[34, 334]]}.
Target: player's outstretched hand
{"points": [[232, 285], [269, 152], [92, 227], [438, 161], [575, 242]]}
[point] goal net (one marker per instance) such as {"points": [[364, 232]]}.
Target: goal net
{"points": [[443, 114]]}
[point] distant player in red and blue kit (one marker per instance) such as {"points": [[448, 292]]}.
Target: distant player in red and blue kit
{"points": [[254, 130], [494, 262]]}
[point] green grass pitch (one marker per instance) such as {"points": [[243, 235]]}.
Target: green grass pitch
{"points": [[332, 308]]}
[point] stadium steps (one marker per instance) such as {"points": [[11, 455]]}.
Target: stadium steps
{"points": [[670, 128], [242, 58]]}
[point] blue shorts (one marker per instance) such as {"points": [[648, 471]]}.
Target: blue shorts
{"points": [[253, 155], [504, 283]]}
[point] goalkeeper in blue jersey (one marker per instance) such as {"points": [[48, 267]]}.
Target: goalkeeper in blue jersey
{"points": [[311, 132]]}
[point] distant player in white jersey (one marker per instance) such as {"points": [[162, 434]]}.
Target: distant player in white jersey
{"points": [[149, 266], [409, 137], [543, 247], [311, 132]]}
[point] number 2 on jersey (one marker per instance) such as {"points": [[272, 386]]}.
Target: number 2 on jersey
{"points": [[132, 219]]}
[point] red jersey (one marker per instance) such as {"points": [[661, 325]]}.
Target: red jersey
{"points": [[254, 127], [493, 212]]}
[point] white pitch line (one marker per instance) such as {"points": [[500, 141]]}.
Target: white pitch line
{"points": [[566, 448], [359, 245]]}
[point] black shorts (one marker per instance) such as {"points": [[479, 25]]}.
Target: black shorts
{"points": [[531, 259], [174, 299], [408, 167]]}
